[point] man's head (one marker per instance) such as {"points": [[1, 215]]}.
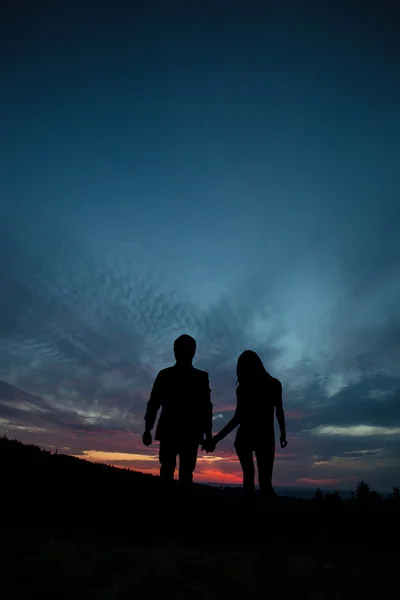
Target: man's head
{"points": [[184, 348]]}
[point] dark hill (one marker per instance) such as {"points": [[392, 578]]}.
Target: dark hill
{"points": [[56, 491], [71, 527]]}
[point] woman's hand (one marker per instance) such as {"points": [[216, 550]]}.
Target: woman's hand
{"points": [[283, 442]]}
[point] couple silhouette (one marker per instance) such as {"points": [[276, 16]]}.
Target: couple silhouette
{"points": [[183, 393]]}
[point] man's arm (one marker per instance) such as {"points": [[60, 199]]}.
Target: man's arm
{"points": [[153, 404], [280, 415], [208, 409]]}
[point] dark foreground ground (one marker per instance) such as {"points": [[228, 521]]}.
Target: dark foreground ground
{"points": [[73, 529]]}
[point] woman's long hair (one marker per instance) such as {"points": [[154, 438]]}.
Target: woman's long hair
{"points": [[250, 369]]}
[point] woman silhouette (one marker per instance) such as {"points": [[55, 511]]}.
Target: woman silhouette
{"points": [[258, 395]]}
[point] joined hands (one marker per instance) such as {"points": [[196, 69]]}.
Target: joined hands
{"points": [[208, 445], [147, 438]]}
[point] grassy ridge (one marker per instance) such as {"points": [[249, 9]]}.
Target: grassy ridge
{"points": [[73, 526]]}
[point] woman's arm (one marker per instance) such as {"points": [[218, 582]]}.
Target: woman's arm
{"points": [[280, 416], [234, 422]]}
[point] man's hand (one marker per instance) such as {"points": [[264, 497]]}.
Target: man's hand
{"points": [[147, 439], [283, 441], [208, 445]]}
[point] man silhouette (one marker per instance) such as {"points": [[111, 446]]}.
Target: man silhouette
{"points": [[183, 394]]}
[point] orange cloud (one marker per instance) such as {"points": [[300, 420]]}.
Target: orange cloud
{"points": [[103, 456], [218, 476]]}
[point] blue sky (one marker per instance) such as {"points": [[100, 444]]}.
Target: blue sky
{"points": [[227, 172]]}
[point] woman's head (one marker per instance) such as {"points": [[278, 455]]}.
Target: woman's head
{"points": [[250, 367]]}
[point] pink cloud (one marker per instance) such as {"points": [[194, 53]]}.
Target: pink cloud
{"points": [[317, 482], [295, 414], [225, 408]]}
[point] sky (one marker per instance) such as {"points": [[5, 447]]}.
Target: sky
{"points": [[228, 170]]}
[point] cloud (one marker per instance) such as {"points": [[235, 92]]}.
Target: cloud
{"points": [[19, 408], [357, 431], [6, 425], [361, 453], [106, 457]]}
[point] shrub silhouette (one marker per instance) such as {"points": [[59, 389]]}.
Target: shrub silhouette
{"points": [[318, 495], [395, 495]]}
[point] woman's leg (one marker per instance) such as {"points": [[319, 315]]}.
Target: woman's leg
{"points": [[265, 456], [245, 457]]}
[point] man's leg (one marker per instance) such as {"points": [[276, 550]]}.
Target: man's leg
{"points": [[167, 457], [187, 464], [265, 456], [245, 457]]}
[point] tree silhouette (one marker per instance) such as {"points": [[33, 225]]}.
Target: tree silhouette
{"points": [[375, 498], [363, 490], [333, 498]]}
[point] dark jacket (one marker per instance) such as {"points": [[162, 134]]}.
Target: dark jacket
{"points": [[184, 396]]}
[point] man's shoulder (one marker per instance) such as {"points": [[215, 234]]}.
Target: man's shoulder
{"points": [[173, 369], [166, 372], [200, 374], [174, 373]]}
